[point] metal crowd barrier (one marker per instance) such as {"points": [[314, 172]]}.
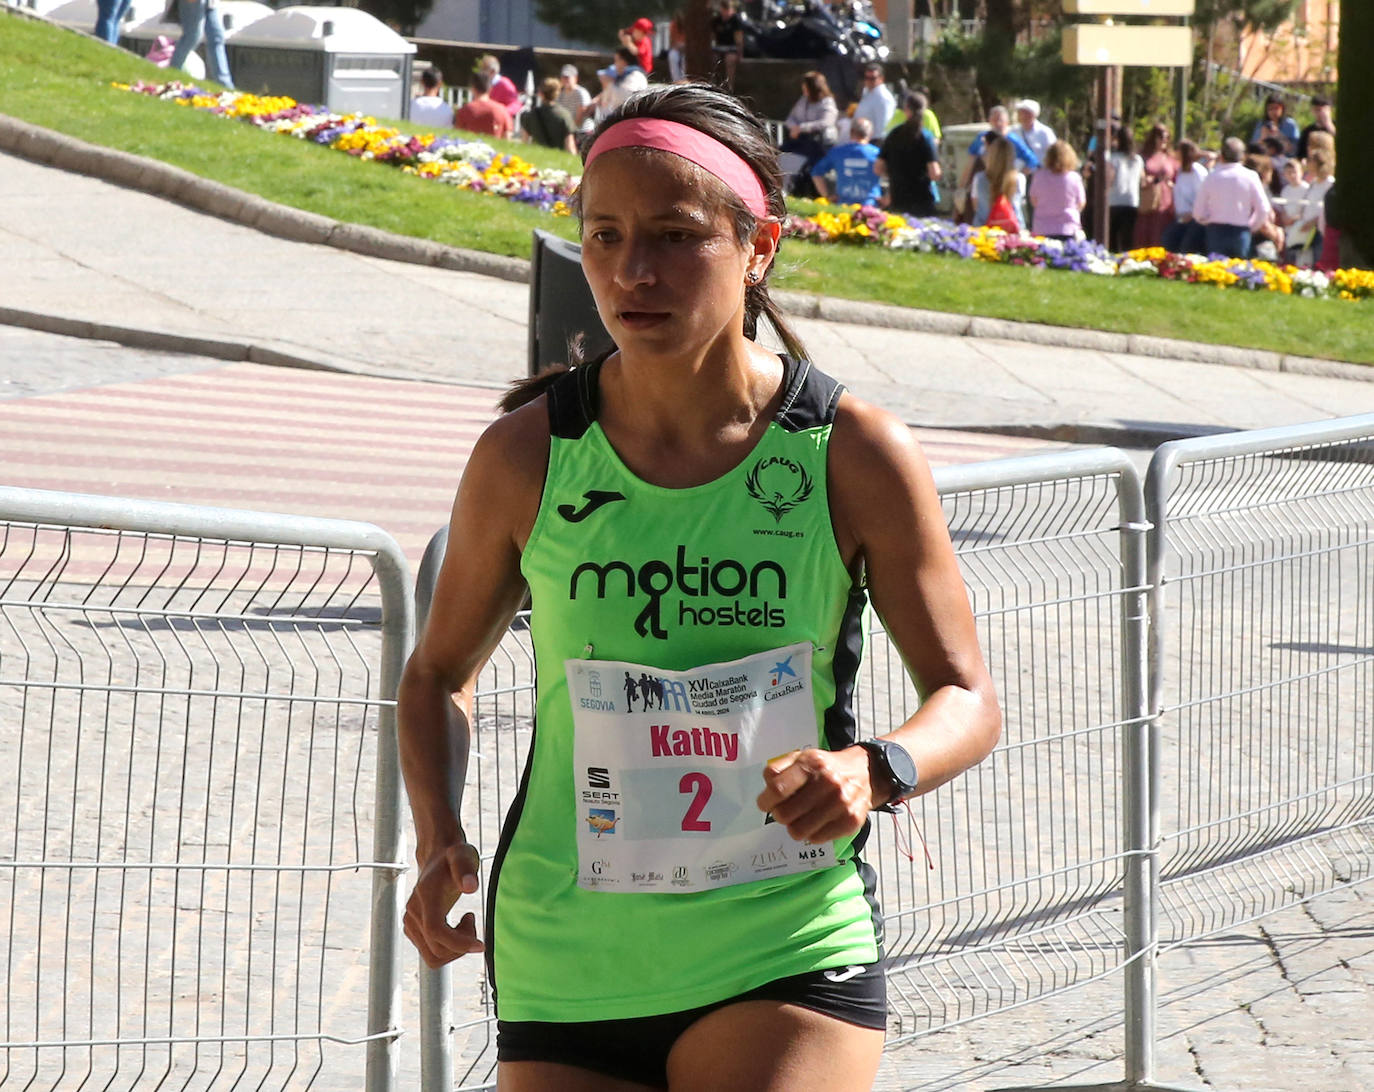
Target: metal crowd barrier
{"points": [[1262, 672], [200, 845], [202, 699]]}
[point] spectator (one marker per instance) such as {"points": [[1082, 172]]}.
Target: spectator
{"points": [[482, 114], [429, 108], [1321, 123], [1318, 141], [999, 124], [929, 121], [501, 88], [549, 124], [1267, 240], [877, 103], [999, 192], [1124, 170], [909, 161], [1185, 235], [1034, 133], [627, 79], [1307, 224], [1330, 228], [1290, 211], [1231, 203], [200, 18], [727, 38], [638, 37], [1057, 195], [574, 98], [810, 127], [677, 49], [856, 179], [1156, 187], [597, 110], [108, 15], [1276, 123]]}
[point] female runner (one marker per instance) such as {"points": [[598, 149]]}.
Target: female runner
{"points": [[679, 899]]}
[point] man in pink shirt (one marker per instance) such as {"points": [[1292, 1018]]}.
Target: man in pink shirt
{"points": [[1231, 203], [503, 89]]}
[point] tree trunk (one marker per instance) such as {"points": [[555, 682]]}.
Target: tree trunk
{"points": [[696, 21], [1354, 119], [994, 58]]}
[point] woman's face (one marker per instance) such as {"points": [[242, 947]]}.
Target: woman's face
{"points": [[660, 253]]}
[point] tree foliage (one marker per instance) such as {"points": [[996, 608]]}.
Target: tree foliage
{"points": [[1245, 15], [403, 16], [600, 20]]}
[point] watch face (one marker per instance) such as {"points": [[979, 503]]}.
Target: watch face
{"points": [[902, 766]]}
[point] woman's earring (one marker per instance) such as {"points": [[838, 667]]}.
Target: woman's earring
{"points": [[753, 277]]}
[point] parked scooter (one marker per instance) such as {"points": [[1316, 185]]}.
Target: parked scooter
{"points": [[813, 29]]}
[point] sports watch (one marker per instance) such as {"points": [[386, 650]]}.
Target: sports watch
{"points": [[894, 762]]}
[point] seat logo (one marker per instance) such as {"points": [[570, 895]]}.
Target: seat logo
{"points": [[596, 498]]}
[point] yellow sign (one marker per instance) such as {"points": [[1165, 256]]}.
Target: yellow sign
{"points": [[1134, 46], [1128, 7]]}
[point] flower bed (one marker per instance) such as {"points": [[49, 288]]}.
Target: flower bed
{"points": [[475, 166], [466, 163], [865, 225]]}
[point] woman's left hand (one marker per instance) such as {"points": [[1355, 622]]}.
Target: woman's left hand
{"points": [[818, 795]]}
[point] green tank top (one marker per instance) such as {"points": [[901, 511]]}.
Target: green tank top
{"points": [[620, 569]]}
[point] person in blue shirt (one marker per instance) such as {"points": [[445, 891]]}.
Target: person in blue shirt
{"points": [[1277, 124], [999, 124], [856, 180]]}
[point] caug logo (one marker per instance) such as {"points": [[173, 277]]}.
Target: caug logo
{"points": [[778, 484]]}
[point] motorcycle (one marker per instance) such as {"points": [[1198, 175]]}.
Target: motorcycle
{"points": [[813, 29]]}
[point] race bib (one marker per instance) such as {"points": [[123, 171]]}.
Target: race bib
{"points": [[668, 765]]}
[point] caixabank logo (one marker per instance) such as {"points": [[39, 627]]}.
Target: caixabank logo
{"points": [[710, 591]]}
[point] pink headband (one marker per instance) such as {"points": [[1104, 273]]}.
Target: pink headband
{"points": [[692, 145]]}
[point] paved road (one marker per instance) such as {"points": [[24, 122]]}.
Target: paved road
{"points": [[87, 251], [92, 417]]}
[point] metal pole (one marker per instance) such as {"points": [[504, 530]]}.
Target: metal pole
{"points": [[436, 987], [384, 985], [1181, 105], [1138, 797], [1104, 94]]}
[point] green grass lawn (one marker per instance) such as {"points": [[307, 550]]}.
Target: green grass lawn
{"points": [[61, 80]]}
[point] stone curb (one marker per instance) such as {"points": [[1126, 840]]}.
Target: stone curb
{"points": [[229, 349], [163, 180]]}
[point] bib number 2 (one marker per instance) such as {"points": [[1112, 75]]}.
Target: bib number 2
{"points": [[700, 785]]}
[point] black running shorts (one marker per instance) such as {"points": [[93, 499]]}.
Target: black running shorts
{"points": [[636, 1049]]}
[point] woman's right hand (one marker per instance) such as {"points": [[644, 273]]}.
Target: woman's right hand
{"points": [[446, 875]]}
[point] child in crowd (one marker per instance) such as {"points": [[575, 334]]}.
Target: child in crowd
{"points": [[1290, 204]]}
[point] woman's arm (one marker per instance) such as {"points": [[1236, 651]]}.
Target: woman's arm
{"points": [[887, 517], [478, 590]]}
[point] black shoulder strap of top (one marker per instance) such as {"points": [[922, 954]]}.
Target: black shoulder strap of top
{"points": [[573, 399], [809, 396]]}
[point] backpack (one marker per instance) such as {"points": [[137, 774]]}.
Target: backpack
{"points": [[1003, 216]]}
